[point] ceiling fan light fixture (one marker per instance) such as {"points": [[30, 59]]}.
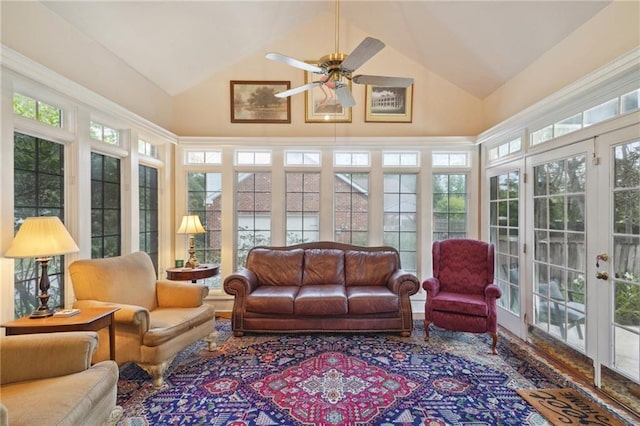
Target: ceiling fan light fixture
{"points": [[334, 66]]}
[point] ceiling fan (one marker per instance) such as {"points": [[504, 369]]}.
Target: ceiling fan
{"points": [[336, 67]]}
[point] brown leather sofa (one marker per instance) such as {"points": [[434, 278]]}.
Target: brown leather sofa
{"points": [[322, 286]]}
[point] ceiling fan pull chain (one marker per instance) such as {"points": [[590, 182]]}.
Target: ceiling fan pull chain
{"points": [[337, 27]]}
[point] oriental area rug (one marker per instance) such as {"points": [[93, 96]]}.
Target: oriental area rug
{"points": [[341, 379]]}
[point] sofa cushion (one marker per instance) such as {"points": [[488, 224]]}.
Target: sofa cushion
{"points": [[276, 267], [272, 300], [365, 300], [369, 268], [326, 299], [167, 323], [469, 304], [323, 266]]}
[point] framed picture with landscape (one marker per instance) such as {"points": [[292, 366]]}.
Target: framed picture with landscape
{"points": [[388, 104], [321, 103], [255, 102]]}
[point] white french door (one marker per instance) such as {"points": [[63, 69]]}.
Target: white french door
{"points": [[582, 215], [617, 253], [558, 211]]}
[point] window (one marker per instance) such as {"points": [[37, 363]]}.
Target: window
{"points": [[567, 125], [360, 159], [391, 159], [503, 233], [148, 193], [147, 149], [600, 112], [303, 207], [104, 134], [203, 157], [604, 111], [505, 149], [449, 206], [543, 135], [400, 217], [351, 217], [253, 209], [38, 190], [450, 159], [253, 158], [629, 102], [105, 206], [204, 198], [34, 109], [302, 158]]}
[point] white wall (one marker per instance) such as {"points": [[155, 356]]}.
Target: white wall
{"points": [[33, 30], [439, 107], [609, 34]]}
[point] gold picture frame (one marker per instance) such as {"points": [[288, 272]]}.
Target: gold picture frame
{"points": [[388, 104], [321, 103], [253, 101]]}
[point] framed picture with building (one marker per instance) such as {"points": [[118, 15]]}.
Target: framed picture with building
{"points": [[388, 104]]}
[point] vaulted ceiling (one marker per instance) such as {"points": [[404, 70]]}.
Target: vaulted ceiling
{"points": [[476, 45]]}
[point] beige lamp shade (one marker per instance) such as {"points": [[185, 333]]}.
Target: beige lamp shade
{"points": [[191, 225], [42, 236]]}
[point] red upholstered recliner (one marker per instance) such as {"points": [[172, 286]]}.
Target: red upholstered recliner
{"points": [[461, 296]]}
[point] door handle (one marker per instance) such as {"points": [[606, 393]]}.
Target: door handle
{"points": [[602, 256], [602, 275]]}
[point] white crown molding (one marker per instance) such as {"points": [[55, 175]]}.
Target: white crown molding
{"points": [[37, 72], [335, 142], [628, 63]]}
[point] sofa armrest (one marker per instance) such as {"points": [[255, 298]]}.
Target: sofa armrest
{"points": [[175, 294], [40, 356], [492, 291], [241, 283], [401, 282], [432, 286], [127, 315]]}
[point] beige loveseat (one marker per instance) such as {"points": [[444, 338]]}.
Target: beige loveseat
{"points": [[48, 379], [322, 286], [157, 318]]}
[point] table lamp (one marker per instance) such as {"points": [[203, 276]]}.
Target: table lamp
{"points": [[42, 237], [191, 225]]}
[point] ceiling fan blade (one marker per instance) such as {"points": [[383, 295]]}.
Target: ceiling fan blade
{"points": [[378, 80], [361, 54], [344, 96], [294, 62], [298, 89]]}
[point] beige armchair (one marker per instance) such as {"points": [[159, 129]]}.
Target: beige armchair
{"points": [[157, 318], [48, 379]]}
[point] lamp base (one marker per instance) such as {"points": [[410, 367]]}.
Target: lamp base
{"points": [[42, 312], [191, 263]]}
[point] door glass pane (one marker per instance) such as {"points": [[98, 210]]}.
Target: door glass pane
{"points": [[626, 259], [504, 235], [559, 216]]}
